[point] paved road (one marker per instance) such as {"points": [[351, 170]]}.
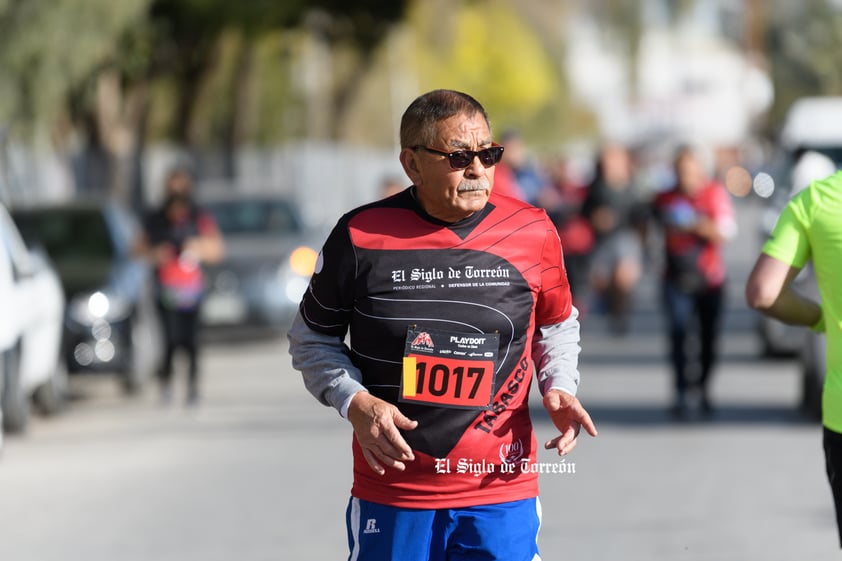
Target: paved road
{"points": [[261, 472]]}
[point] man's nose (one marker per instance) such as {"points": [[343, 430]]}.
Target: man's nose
{"points": [[475, 168]]}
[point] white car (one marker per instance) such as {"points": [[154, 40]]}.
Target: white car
{"points": [[31, 317]]}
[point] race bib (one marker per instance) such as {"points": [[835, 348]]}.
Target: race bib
{"points": [[449, 369]]}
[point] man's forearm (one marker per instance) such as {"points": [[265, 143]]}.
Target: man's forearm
{"points": [[793, 308], [769, 291]]}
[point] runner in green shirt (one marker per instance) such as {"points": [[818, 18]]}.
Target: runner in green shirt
{"points": [[810, 227]]}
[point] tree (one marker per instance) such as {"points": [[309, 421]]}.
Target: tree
{"points": [[206, 50], [805, 42], [488, 50], [90, 68], [48, 47]]}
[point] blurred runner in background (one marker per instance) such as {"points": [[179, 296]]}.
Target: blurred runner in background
{"points": [[177, 238], [697, 217], [563, 198], [391, 185], [517, 166], [613, 210]]}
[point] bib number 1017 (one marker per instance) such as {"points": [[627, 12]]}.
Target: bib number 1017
{"points": [[447, 382]]}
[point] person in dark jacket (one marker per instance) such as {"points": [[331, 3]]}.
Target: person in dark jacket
{"points": [[178, 237], [613, 210]]}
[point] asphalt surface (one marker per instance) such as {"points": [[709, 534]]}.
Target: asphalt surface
{"points": [[261, 471]]}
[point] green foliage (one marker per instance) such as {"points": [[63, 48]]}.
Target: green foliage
{"points": [[485, 49], [211, 95], [805, 53], [191, 19], [363, 22], [51, 51], [276, 112], [48, 47]]}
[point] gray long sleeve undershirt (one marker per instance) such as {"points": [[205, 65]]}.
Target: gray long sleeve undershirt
{"points": [[325, 363], [555, 351]]}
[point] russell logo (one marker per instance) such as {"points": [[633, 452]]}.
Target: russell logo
{"points": [[371, 526], [423, 339]]}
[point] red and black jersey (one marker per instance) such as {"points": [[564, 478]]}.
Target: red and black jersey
{"points": [[404, 282], [687, 254]]}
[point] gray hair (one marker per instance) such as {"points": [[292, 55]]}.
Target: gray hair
{"points": [[418, 124]]}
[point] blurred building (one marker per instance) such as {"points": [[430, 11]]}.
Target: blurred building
{"points": [[691, 80]]}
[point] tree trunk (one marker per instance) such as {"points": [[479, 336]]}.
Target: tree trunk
{"points": [[237, 125], [117, 143]]}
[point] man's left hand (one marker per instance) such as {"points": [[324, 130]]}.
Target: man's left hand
{"points": [[569, 417]]}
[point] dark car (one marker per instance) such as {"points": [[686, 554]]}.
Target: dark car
{"points": [[110, 323], [269, 257]]}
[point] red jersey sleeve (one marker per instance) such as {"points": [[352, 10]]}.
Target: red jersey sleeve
{"points": [[554, 301]]}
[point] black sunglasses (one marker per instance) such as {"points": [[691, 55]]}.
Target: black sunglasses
{"points": [[463, 158]]}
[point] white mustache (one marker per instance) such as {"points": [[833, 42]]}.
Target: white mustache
{"points": [[474, 185]]}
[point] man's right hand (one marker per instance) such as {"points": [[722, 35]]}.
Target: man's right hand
{"points": [[376, 423]]}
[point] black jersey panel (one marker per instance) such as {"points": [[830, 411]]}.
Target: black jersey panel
{"points": [[387, 266], [465, 291], [327, 303]]}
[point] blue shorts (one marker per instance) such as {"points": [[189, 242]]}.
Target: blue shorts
{"points": [[507, 531]]}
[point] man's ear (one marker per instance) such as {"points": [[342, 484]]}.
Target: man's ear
{"points": [[410, 163]]}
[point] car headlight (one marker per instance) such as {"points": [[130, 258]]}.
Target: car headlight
{"points": [[295, 272], [303, 261], [295, 288], [88, 308]]}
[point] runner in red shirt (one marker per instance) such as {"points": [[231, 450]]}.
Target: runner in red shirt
{"points": [[453, 296], [697, 218]]}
